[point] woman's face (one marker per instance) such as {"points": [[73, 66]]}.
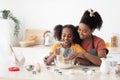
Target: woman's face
{"points": [[84, 31], [67, 36]]}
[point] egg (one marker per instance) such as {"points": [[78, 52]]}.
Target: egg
{"points": [[37, 67]]}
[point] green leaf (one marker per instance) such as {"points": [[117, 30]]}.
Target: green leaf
{"points": [[7, 14]]}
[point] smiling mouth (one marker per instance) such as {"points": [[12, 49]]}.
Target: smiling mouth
{"points": [[66, 42]]}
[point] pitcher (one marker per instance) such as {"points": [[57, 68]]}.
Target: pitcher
{"points": [[104, 67]]}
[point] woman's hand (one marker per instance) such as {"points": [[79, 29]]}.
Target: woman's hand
{"points": [[72, 56], [76, 55], [82, 61]]}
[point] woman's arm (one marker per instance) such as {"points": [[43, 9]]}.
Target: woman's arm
{"points": [[81, 61], [96, 59], [85, 57]]}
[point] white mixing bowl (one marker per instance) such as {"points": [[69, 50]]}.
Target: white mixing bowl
{"points": [[62, 63]]}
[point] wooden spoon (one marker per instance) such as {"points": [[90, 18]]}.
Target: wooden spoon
{"points": [[12, 51]]}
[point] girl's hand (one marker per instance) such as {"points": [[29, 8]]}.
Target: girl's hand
{"points": [[57, 51], [45, 60]]}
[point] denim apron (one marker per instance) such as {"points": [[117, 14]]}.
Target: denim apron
{"points": [[93, 51]]}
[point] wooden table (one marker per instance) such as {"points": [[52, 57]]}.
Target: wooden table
{"points": [[77, 72]]}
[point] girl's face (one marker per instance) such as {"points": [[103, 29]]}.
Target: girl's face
{"points": [[67, 36], [84, 31]]}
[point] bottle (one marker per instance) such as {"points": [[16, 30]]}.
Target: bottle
{"points": [[104, 67], [114, 41]]}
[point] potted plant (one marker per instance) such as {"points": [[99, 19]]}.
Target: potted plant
{"points": [[6, 14]]}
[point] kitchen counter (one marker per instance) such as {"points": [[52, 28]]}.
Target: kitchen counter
{"points": [[36, 55], [77, 72]]}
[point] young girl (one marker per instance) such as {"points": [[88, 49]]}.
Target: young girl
{"points": [[68, 37]]}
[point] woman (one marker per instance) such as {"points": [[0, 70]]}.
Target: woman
{"points": [[94, 45]]}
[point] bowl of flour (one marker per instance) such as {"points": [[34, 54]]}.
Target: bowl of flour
{"points": [[61, 62]]}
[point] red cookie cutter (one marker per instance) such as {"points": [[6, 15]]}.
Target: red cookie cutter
{"points": [[14, 69]]}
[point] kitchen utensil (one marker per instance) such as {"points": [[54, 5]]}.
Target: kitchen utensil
{"points": [[14, 69], [12, 51], [29, 67], [61, 62], [48, 39], [104, 67], [18, 61], [61, 59]]}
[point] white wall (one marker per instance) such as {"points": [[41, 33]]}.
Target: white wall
{"points": [[48, 13]]}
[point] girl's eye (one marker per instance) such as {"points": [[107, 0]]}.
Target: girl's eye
{"points": [[84, 31], [63, 35], [69, 36]]}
